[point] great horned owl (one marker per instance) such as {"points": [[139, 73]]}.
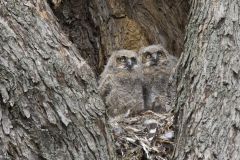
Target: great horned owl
{"points": [[120, 83], [157, 65]]}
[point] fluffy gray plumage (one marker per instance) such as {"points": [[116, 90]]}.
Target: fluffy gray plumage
{"points": [[157, 65], [120, 83]]}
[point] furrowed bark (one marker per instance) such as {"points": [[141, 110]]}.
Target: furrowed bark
{"points": [[49, 106], [208, 83]]}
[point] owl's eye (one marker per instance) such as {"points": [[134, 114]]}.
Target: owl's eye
{"points": [[121, 59], [160, 53], [148, 55]]}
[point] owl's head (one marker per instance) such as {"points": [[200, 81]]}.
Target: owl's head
{"points": [[124, 60], [154, 55]]}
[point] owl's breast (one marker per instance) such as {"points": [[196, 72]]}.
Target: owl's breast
{"points": [[125, 97]]}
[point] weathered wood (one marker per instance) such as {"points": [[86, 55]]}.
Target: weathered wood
{"points": [[49, 106], [98, 27], [208, 83]]}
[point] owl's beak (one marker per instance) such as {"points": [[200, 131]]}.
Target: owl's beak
{"points": [[155, 59], [154, 55], [129, 64]]}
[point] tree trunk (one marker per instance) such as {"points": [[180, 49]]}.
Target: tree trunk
{"points": [[208, 103], [49, 106], [98, 27]]}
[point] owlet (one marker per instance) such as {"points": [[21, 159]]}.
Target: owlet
{"points": [[157, 65], [120, 83]]}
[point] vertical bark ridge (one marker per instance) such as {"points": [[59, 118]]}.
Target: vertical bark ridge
{"points": [[49, 106], [208, 80]]}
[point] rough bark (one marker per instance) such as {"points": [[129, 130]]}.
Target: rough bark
{"points": [[98, 27], [208, 83], [49, 106]]}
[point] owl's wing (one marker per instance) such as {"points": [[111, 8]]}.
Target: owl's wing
{"points": [[105, 85]]}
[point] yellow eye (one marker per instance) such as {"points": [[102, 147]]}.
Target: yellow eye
{"points": [[148, 56], [160, 53], [122, 59]]}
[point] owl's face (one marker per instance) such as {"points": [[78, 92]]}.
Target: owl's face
{"points": [[153, 56], [125, 60]]}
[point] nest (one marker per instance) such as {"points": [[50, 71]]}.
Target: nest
{"points": [[146, 136]]}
